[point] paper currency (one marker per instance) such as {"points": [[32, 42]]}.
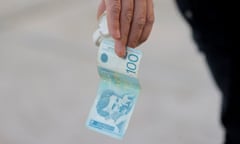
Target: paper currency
{"points": [[118, 90]]}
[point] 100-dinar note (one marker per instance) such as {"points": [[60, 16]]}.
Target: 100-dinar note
{"points": [[118, 90]]}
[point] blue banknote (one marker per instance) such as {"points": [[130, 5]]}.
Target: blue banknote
{"points": [[118, 90]]}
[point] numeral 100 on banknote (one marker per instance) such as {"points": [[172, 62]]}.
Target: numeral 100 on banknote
{"points": [[131, 64]]}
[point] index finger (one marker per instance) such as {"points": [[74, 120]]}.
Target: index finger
{"points": [[113, 8]]}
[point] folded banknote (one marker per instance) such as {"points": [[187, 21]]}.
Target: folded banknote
{"points": [[118, 90]]}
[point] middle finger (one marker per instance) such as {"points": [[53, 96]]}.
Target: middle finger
{"points": [[139, 20], [125, 23]]}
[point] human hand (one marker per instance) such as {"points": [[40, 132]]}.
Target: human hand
{"points": [[129, 21]]}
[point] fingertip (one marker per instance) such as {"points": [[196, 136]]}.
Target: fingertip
{"points": [[133, 44], [120, 49]]}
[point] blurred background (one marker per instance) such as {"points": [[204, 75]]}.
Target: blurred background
{"points": [[48, 78]]}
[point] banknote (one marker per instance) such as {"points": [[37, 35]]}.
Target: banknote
{"points": [[118, 90]]}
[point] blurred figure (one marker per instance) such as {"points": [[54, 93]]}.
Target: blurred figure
{"points": [[130, 23], [208, 21]]}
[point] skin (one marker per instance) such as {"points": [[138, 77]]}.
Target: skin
{"points": [[129, 21]]}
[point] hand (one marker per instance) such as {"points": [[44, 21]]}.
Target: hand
{"points": [[129, 21]]}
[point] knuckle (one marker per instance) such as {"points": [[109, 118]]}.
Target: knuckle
{"points": [[129, 15], [141, 21], [150, 19], [124, 38], [115, 8]]}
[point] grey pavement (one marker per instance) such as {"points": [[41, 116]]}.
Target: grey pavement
{"points": [[48, 78]]}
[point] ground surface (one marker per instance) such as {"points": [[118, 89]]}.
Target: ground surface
{"points": [[48, 78]]}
